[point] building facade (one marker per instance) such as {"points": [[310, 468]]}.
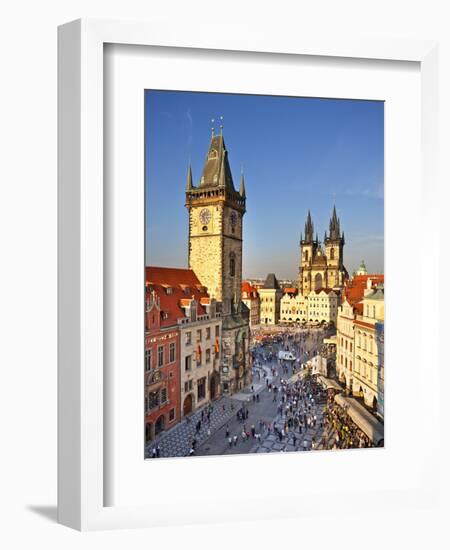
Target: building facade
{"points": [[180, 316], [345, 344], [162, 368], [270, 298], [293, 306], [216, 212], [366, 375], [322, 266], [250, 297], [200, 339], [323, 305], [351, 309], [379, 340]]}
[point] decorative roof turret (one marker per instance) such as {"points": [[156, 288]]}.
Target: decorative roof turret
{"points": [[335, 230], [189, 184], [242, 186], [309, 229]]}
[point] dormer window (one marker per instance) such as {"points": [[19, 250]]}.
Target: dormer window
{"points": [[169, 290], [212, 154], [187, 290]]}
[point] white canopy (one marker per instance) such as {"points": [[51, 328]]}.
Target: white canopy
{"points": [[362, 418]]}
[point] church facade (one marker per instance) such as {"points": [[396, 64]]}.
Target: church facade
{"points": [[216, 210], [322, 264]]}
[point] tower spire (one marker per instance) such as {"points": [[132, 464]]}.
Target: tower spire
{"points": [[309, 229], [242, 185], [334, 225], [189, 184]]}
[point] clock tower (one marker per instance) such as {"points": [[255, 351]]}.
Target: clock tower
{"points": [[216, 212]]}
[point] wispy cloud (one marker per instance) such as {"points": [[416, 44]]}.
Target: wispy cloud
{"points": [[189, 117], [190, 120], [376, 192]]}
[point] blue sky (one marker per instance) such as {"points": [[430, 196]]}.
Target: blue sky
{"points": [[296, 153]]}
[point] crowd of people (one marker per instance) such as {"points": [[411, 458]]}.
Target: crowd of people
{"points": [[301, 402], [347, 435]]}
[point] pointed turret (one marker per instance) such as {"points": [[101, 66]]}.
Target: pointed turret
{"points": [[242, 186], [189, 184], [217, 172], [309, 229], [334, 225]]}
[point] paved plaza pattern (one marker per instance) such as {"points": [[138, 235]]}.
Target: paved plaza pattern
{"points": [[219, 421]]}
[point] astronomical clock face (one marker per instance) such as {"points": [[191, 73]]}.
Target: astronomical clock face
{"points": [[205, 216], [233, 218]]}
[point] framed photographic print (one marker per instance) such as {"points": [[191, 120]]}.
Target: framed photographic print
{"points": [[231, 215]]}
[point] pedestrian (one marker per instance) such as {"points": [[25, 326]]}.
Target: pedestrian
{"points": [[257, 397], [230, 441], [158, 451], [294, 440], [235, 439], [153, 452], [209, 432], [191, 452], [305, 445], [227, 431]]}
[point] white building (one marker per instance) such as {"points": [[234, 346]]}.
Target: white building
{"points": [[323, 305], [293, 306]]}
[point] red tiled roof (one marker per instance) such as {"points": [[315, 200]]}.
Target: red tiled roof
{"points": [[354, 291], [249, 289], [290, 290], [161, 278], [174, 276]]}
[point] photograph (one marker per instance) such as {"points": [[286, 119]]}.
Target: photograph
{"points": [[264, 274]]}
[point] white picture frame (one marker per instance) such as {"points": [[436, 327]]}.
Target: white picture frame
{"points": [[82, 483]]}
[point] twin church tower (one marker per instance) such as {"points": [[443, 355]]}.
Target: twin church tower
{"points": [[321, 268]]}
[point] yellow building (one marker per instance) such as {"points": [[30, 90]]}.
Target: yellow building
{"points": [[366, 374], [270, 298], [345, 344]]}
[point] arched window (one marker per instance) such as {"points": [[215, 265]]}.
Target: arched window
{"points": [[232, 265], [306, 255], [332, 254]]}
